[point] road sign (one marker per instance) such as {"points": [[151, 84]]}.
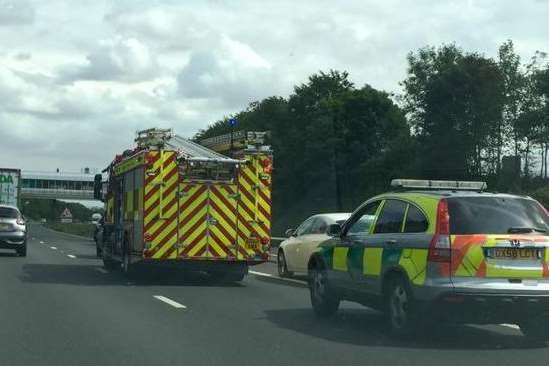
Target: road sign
{"points": [[232, 122]]}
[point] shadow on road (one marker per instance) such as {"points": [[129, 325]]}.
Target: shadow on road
{"points": [[8, 254], [367, 328], [82, 275], [87, 256]]}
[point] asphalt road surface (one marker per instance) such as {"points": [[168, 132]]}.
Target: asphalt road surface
{"points": [[58, 306]]}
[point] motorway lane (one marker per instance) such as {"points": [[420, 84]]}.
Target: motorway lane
{"points": [[58, 310]]}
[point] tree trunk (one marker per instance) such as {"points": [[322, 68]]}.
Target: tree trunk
{"points": [[545, 159], [542, 160], [526, 162]]}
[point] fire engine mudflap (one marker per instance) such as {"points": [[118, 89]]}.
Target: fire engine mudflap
{"points": [[172, 202]]}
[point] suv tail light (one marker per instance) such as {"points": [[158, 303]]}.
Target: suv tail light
{"points": [[440, 248]]}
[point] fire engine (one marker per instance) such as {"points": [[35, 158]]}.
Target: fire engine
{"points": [[171, 201]]}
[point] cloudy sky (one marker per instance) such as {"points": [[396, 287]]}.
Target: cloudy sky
{"points": [[78, 78]]}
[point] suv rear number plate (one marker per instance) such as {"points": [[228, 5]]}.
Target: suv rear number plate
{"points": [[514, 253]]}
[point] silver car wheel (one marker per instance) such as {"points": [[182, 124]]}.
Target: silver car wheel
{"points": [[319, 285], [281, 262], [399, 305]]}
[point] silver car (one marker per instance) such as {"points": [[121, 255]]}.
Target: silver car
{"points": [[294, 252], [13, 230]]}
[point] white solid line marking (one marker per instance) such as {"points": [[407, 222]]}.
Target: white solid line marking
{"points": [[70, 256], [54, 248], [170, 302], [513, 326], [102, 270], [261, 274]]}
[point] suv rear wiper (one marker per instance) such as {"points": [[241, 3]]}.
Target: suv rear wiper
{"points": [[524, 230]]}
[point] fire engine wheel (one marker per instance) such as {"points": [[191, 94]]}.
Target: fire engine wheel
{"points": [[400, 307], [282, 265], [126, 263], [110, 264], [535, 329], [323, 299]]}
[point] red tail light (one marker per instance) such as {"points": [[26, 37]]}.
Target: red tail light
{"points": [[440, 250]]}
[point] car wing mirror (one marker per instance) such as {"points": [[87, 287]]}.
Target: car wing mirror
{"points": [[334, 230], [290, 232]]}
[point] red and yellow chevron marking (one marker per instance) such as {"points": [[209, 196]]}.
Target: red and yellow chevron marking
{"points": [[208, 221], [160, 208], [193, 215], [254, 210], [222, 234]]}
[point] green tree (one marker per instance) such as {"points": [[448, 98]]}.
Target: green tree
{"points": [[454, 102], [334, 145]]}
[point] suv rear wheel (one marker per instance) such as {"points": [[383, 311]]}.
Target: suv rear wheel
{"points": [[400, 307], [323, 298], [537, 330]]}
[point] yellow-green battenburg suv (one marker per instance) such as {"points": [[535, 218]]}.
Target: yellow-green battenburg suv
{"points": [[444, 251]]}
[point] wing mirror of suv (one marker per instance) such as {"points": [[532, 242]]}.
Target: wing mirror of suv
{"points": [[290, 232], [334, 230]]}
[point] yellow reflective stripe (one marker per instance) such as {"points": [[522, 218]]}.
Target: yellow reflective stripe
{"points": [[414, 262], [371, 261], [340, 259], [404, 218], [493, 270], [471, 262]]}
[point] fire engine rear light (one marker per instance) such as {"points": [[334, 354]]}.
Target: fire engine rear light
{"points": [[440, 248]]}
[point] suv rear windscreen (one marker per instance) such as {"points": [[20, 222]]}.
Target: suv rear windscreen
{"points": [[8, 213], [495, 215]]}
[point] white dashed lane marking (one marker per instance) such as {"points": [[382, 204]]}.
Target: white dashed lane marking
{"points": [[71, 256], [54, 248], [513, 326], [101, 270], [170, 302]]}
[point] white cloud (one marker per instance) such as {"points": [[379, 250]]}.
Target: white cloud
{"points": [[16, 12], [76, 82], [230, 72], [125, 59]]}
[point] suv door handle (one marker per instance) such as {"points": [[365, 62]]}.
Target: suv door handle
{"points": [[390, 242]]}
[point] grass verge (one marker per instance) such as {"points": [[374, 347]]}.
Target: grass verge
{"points": [[81, 229]]}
